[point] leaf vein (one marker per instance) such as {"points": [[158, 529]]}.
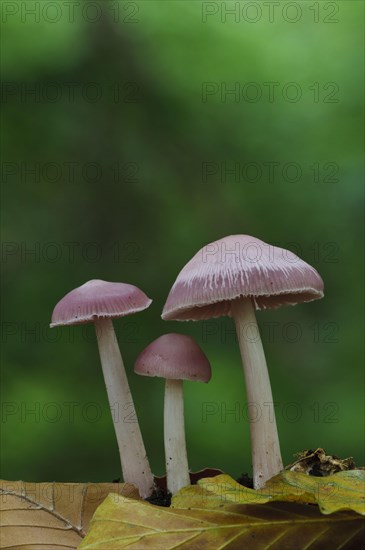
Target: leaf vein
{"points": [[316, 537], [39, 506], [281, 535], [350, 537]]}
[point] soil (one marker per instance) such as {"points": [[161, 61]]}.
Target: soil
{"points": [[246, 481], [160, 497]]}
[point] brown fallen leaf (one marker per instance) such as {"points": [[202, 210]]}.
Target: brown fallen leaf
{"points": [[124, 523], [48, 516]]}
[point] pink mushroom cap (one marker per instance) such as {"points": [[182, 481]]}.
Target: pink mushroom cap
{"points": [[98, 299], [176, 357], [240, 266]]}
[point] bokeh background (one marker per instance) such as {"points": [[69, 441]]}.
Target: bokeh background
{"points": [[116, 166]]}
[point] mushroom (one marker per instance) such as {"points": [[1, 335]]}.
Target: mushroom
{"points": [[232, 277], [175, 357], [99, 302]]}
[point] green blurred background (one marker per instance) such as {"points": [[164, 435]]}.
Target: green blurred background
{"points": [[105, 103]]}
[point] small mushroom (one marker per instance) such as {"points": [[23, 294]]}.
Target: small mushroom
{"points": [[99, 302], [175, 357], [232, 277]]}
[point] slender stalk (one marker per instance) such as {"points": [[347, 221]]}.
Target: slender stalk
{"points": [[135, 466], [177, 468], [266, 456]]}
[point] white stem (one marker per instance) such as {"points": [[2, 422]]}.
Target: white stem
{"points": [[135, 466], [177, 468], [266, 456]]}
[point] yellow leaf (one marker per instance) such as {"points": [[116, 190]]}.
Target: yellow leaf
{"points": [[46, 516], [124, 523], [216, 491], [341, 491]]}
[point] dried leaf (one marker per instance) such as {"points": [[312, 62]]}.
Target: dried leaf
{"points": [[47, 516], [124, 523], [318, 463]]}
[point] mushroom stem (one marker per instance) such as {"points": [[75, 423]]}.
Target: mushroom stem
{"points": [[266, 456], [177, 469], [135, 466]]}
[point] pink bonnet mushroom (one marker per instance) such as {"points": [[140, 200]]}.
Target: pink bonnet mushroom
{"points": [[99, 302], [232, 277], [175, 357]]}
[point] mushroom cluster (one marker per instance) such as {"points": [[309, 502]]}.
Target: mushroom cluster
{"points": [[231, 277]]}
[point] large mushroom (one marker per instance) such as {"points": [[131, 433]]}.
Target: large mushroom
{"points": [[99, 302], [232, 277], [176, 358]]}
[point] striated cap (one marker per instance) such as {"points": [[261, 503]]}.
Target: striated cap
{"points": [[174, 356], [96, 299], [240, 266]]}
